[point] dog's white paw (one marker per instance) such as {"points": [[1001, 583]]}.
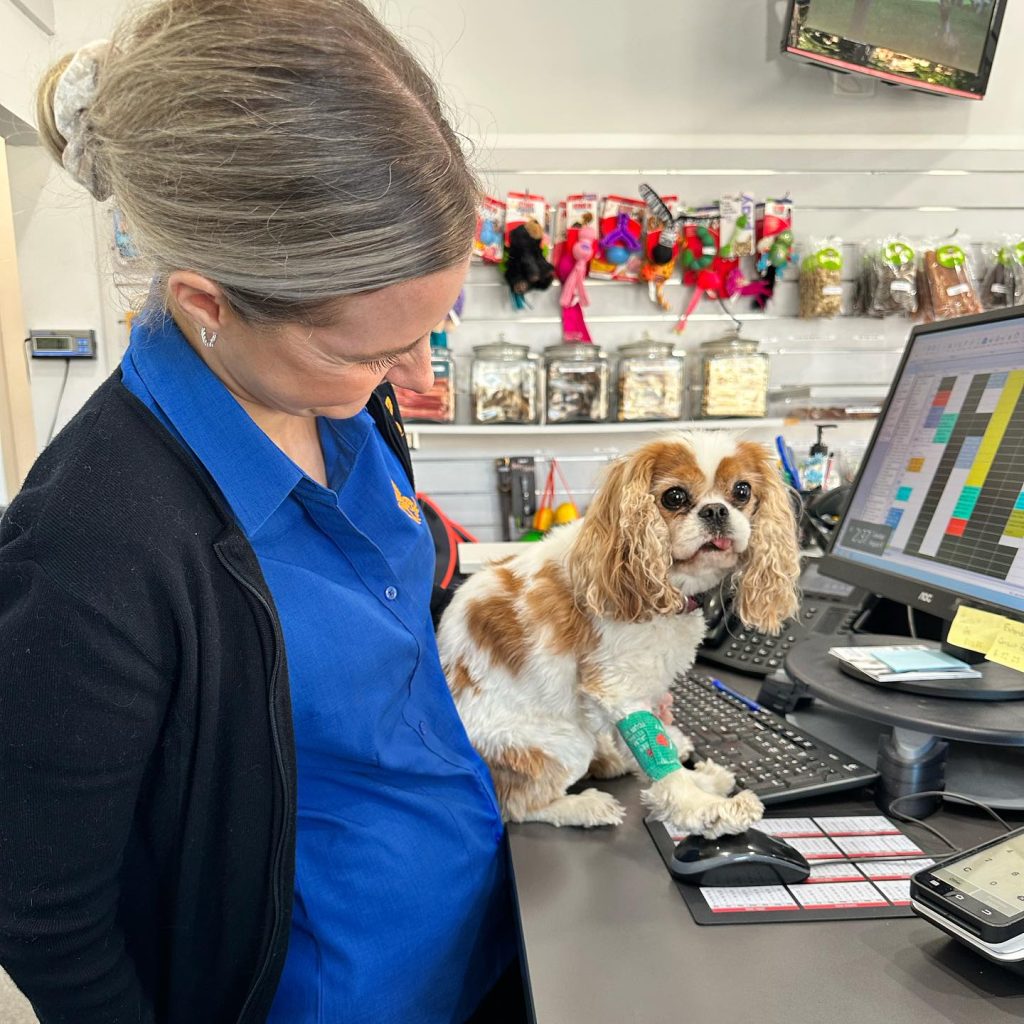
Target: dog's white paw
{"points": [[713, 778], [696, 812], [733, 815], [594, 807], [589, 809]]}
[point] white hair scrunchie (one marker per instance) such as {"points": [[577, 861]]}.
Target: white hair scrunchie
{"points": [[71, 102]]}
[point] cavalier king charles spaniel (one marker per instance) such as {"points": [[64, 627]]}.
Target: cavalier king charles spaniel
{"points": [[549, 651]]}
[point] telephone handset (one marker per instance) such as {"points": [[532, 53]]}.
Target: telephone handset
{"points": [[829, 608]]}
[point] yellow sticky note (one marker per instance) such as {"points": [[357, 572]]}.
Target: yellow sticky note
{"points": [[1008, 647], [975, 630]]}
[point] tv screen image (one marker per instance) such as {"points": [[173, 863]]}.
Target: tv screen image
{"points": [[943, 46]]}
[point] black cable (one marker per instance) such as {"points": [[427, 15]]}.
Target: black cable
{"points": [[60, 398], [910, 622], [945, 795]]}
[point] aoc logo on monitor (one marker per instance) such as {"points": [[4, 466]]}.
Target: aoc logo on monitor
{"points": [[925, 597]]}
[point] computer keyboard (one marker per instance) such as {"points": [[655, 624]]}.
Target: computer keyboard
{"points": [[765, 753]]}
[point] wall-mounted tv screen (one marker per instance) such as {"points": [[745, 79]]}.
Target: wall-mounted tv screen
{"points": [[940, 46]]}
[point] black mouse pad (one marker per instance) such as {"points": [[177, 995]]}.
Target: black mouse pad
{"points": [[860, 868]]}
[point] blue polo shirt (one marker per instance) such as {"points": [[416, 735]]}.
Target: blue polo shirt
{"points": [[400, 909]]}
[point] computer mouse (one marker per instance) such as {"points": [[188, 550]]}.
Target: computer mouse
{"points": [[750, 858]]}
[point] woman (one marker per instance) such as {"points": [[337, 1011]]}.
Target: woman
{"points": [[234, 784]]}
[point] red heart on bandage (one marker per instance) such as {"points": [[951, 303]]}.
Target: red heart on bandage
{"points": [[661, 739]]}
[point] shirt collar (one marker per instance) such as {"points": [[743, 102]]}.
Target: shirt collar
{"points": [[254, 475]]}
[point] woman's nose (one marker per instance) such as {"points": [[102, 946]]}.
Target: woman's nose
{"points": [[414, 371]]}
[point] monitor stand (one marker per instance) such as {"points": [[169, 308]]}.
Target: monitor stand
{"points": [[913, 755]]}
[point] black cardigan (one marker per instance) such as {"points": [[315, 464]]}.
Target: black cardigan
{"points": [[147, 764]]}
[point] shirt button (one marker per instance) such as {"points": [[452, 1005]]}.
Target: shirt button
{"points": [[423, 728], [391, 593]]}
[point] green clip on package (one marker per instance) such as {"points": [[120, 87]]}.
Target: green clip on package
{"points": [[654, 750]]}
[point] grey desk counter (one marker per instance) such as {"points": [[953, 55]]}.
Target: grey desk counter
{"points": [[608, 940]]}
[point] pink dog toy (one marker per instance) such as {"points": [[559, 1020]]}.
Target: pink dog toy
{"points": [[572, 269]]}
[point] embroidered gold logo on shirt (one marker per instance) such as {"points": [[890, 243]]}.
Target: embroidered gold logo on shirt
{"points": [[389, 406], [407, 505]]}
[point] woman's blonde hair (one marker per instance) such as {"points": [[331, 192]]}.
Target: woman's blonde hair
{"points": [[292, 152]]}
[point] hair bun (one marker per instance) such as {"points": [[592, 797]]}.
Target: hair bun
{"points": [[73, 97]]}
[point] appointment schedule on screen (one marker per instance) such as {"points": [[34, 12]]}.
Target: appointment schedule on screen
{"points": [[941, 497]]}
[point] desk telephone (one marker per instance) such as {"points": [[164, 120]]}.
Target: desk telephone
{"points": [[830, 607]]}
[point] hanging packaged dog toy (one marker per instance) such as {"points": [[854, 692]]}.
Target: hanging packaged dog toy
{"points": [[575, 246], [619, 254], [526, 246], [489, 237], [664, 229], [774, 246]]}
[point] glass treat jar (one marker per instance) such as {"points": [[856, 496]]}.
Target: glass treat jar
{"points": [[733, 378], [438, 404], [578, 381], [505, 383], [651, 382]]}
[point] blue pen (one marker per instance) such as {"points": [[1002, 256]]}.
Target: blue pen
{"points": [[786, 455]]}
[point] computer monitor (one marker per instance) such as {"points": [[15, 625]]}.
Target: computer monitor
{"points": [[935, 517]]}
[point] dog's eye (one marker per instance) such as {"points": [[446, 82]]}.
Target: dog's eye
{"points": [[741, 492], [675, 498]]}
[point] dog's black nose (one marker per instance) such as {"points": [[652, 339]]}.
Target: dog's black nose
{"points": [[714, 514]]}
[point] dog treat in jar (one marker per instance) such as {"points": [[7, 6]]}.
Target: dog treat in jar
{"points": [[505, 382], [577, 376], [438, 404], [650, 382], [734, 378]]}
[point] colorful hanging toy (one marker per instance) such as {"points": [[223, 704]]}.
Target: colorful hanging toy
{"points": [[573, 266], [547, 515], [775, 245], [525, 265], [663, 232], [706, 266], [619, 244]]}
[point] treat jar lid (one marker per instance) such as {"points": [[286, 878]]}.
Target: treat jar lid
{"points": [[503, 349], [577, 350], [648, 346], [730, 342]]}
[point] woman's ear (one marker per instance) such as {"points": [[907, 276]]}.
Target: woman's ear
{"points": [[766, 585], [200, 300], [620, 561]]}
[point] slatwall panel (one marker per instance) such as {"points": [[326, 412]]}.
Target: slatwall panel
{"points": [[853, 194]]}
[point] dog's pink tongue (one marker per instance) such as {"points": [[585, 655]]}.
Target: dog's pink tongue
{"points": [[722, 543]]}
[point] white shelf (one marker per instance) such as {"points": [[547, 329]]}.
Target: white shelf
{"points": [[415, 430]]}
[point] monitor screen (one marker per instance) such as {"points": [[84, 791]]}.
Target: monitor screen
{"points": [[937, 511], [938, 45]]}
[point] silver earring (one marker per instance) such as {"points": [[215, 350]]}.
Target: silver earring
{"points": [[210, 341]]}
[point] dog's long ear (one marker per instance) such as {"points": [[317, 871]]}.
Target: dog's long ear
{"points": [[620, 561], [767, 591]]}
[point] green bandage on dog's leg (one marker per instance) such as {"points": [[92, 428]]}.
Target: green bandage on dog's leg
{"points": [[645, 735]]}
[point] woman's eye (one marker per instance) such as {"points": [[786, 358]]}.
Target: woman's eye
{"points": [[379, 365], [741, 492], [675, 498]]}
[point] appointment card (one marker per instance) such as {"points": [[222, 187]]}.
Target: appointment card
{"points": [[878, 846], [723, 899], [842, 894]]}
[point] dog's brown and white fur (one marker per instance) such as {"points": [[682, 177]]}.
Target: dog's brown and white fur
{"points": [[546, 651]]}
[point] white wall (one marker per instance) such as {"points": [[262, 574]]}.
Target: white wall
{"points": [[24, 47], [61, 286], [584, 95]]}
